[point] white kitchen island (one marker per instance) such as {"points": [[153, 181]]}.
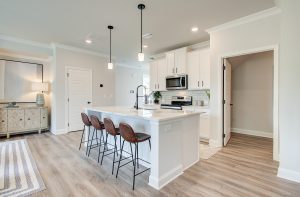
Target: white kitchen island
{"points": [[174, 138]]}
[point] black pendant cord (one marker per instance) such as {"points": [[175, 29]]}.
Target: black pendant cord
{"points": [[141, 30], [110, 45]]}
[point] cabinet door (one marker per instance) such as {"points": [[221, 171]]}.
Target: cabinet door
{"points": [[15, 119], [32, 118], [3, 120], [205, 68], [170, 58], [44, 118], [161, 74], [180, 61], [204, 126], [153, 75], [193, 70]]}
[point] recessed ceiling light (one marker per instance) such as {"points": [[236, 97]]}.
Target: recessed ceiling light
{"points": [[147, 35], [145, 46], [194, 29], [88, 41]]}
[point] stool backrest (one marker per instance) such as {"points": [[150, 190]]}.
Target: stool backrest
{"points": [[85, 119], [110, 127], [127, 133], [96, 122]]}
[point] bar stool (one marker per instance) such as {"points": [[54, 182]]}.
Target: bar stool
{"points": [[86, 123], [130, 136], [98, 126], [114, 132]]}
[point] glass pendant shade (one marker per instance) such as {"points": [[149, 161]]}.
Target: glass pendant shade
{"points": [[141, 57], [110, 65]]}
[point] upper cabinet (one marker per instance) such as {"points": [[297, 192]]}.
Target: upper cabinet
{"points": [[158, 72], [198, 66], [176, 61]]}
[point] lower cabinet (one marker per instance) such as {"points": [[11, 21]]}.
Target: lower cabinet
{"points": [[3, 121], [23, 120], [204, 126]]}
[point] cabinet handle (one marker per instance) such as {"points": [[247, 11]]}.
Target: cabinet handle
{"points": [[2, 121], [198, 84], [21, 119], [44, 117], [173, 70], [28, 118], [157, 86], [202, 83], [176, 70]]}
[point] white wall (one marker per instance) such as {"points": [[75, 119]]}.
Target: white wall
{"points": [[2, 74], [233, 40], [289, 95], [127, 79], [72, 58], [252, 93]]}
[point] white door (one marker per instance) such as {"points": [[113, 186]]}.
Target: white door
{"points": [[153, 75], [193, 70], [79, 92], [161, 74], [227, 98]]}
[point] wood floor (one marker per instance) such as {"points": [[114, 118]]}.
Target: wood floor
{"points": [[244, 168]]}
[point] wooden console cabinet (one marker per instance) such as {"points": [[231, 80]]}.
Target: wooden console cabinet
{"points": [[21, 120]]}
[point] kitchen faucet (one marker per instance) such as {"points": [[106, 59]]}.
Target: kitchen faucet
{"points": [[137, 96]]}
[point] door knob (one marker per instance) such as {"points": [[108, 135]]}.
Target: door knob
{"points": [[88, 102]]}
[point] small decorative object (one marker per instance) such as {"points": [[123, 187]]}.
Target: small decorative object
{"points": [[208, 94], [40, 87], [157, 96]]}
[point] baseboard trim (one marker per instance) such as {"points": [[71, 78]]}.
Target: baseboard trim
{"points": [[59, 132], [166, 178], [289, 174], [253, 132]]}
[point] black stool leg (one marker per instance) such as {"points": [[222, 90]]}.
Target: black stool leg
{"points": [[101, 134], [132, 154], [87, 146], [137, 155], [115, 150], [91, 144], [82, 137], [134, 165], [97, 138], [120, 159], [104, 148]]}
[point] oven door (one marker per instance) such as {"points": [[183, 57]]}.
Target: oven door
{"points": [[176, 82]]}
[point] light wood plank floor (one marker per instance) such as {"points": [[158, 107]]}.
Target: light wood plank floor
{"points": [[244, 168]]}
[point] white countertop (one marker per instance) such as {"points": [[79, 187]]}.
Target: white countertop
{"points": [[153, 115]]}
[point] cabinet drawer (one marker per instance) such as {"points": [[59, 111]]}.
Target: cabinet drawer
{"points": [[44, 118], [32, 118], [15, 119], [3, 121]]}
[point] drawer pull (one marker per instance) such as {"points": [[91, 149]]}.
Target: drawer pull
{"points": [[21, 119], [2, 121], [28, 118], [44, 117]]}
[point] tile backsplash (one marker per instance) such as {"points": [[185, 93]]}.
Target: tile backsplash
{"points": [[198, 95]]}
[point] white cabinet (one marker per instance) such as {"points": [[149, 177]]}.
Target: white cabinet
{"points": [[198, 65], [19, 120], [158, 72], [204, 126], [176, 61]]}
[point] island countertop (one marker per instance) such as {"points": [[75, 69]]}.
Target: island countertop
{"points": [[145, 114]]}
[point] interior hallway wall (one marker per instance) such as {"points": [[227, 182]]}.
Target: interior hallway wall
{"points": [[252, 94], [127, 80]]}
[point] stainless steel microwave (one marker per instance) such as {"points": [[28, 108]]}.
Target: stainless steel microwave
{"points": [[176, 82]]}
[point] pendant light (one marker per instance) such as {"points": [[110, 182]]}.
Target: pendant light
{"points": [[110, 65], [141, 55]]}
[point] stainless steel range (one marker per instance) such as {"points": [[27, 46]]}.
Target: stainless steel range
{"points": [[177, 102]]}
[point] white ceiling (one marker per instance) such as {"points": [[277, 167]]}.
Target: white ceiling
{"points": [[69, 22]]}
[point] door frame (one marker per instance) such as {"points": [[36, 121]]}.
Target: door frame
{"points": [[67, 68], [275, 49]]}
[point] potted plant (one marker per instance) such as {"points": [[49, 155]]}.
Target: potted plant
{"points": [[156, 96]]}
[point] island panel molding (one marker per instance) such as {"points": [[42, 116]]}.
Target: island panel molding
{"points": [[174, 138]]}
